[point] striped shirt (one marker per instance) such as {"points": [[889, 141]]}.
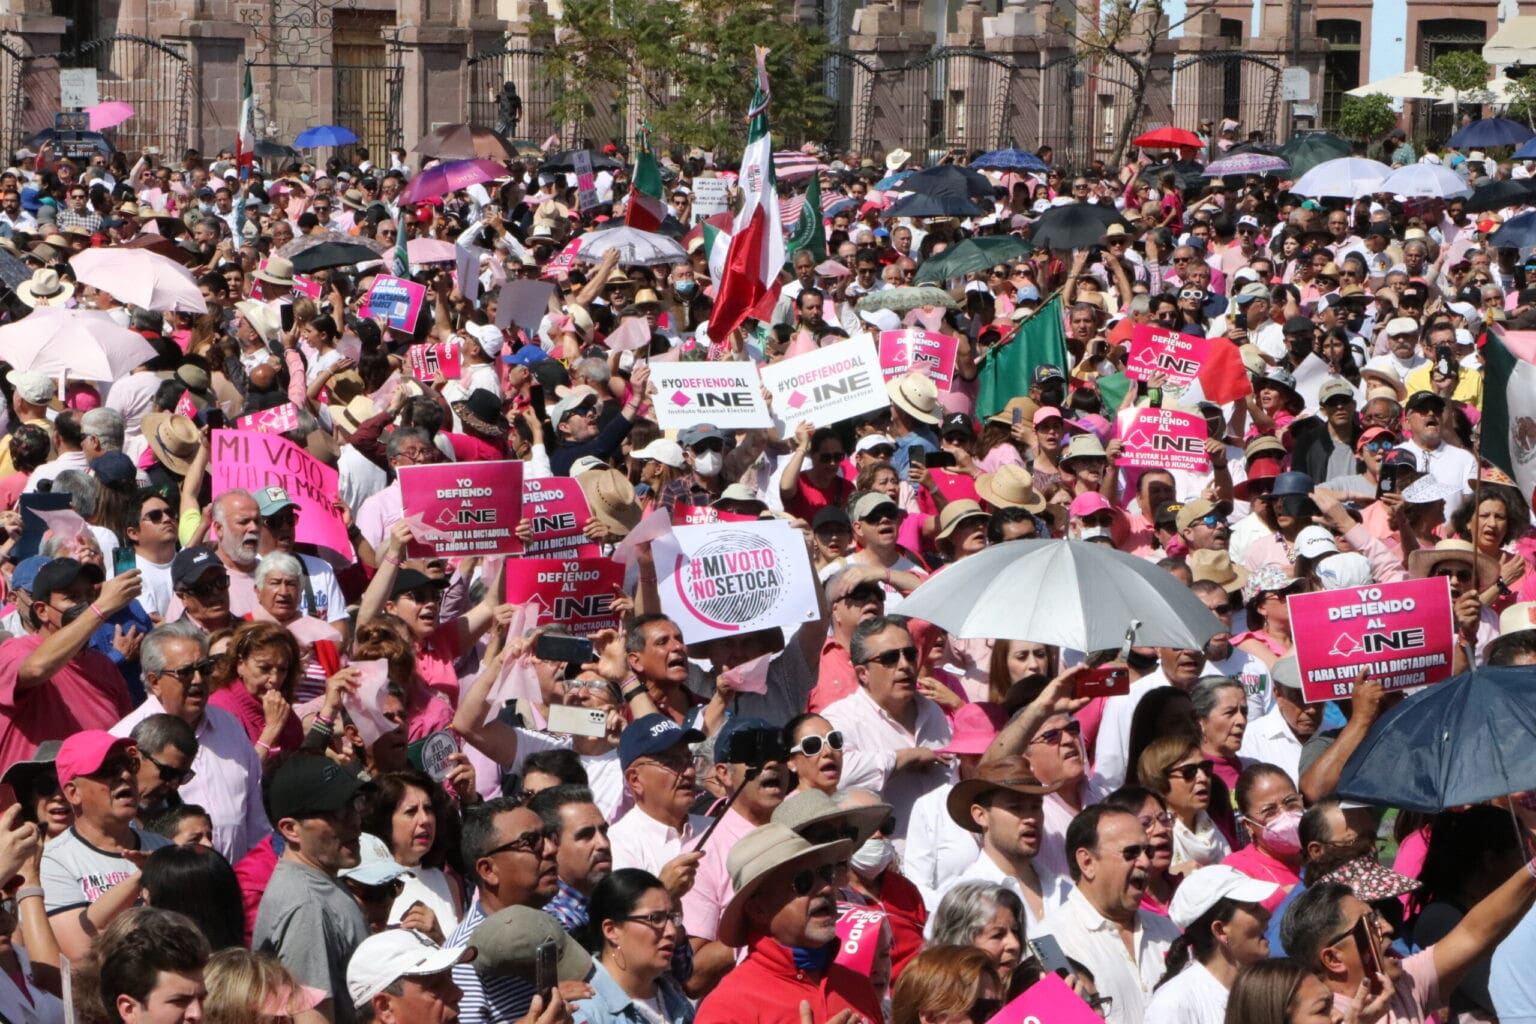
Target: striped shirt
{"points": [[499, 1000]]}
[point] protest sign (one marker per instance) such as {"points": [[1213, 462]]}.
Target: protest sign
{"points": [[466, 264], [710, 196], [1155, 350], [725, 395], [858, 936], [185, 406], [1162, 439], [475, 504], [586, 187], [928, 353], [557, 512], [436, 750], [398, 300], [698, 515], [1048, 1000], [427, 361], [1402, 633], [523, 303], [306, 286], [730, 578], [251, 461], [277, 420], [576, 593], [559, 268], [826, 386]]}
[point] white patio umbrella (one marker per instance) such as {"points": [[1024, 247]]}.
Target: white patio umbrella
{"points": [[85, 344], [1348, 177], [1407, 85], [138, 277], [636, 248], [1074, 594], [1432, 181]]}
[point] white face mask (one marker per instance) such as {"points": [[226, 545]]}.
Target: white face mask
{"points": [[708, 463], [1093, 533], [873, 857]]}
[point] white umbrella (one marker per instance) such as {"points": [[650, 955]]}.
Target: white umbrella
{"points": [[1433, 181], [138, 277], [636, 248], [1408, 85], [1348, 177], [85, 344], [1075, 594]]}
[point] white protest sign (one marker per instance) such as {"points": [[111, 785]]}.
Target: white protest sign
{"points": [[835, 383], [726, 579], [436, 749], [77, 88], [710, 196], [725, 395], [586, 186]]}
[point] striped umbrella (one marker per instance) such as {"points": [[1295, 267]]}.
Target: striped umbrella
{"points": [[791, 164], [1245, 163]]}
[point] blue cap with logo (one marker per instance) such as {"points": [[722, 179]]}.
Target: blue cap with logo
{"points": [[649, 735]]}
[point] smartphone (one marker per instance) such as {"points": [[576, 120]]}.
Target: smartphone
{"points": [[1050, 956], [544, 977], [285, 316], [918, 457], [941, 460], [578, 721], [1370, 956], [214, 417], [573, 650], [757, 747], [7, 797], [1104, 681], [1018, 415], [123, 559]]}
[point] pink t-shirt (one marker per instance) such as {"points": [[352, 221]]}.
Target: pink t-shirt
{"points": [[1420, 988], [1255, 863], [434, 662], [87, 693]]}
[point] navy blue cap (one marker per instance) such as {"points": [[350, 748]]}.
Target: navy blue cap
{"points": [[1291, 483], [649, 735], [734, 727], [25, 573], [114, 468]]}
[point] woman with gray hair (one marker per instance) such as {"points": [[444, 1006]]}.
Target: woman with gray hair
{"points": [[980, 914], [1221, 705], [280, 583]]}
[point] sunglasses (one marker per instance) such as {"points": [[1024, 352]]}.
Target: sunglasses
{"points": [[186, 673], [210, 585], [1187, 772], [158, 515], [810, 746], [1136, 851], [1074, 728], [880, 451], [1211, 520], [385, 892], [1377, 447], [528, 842], [893, 657], [176, 776], [831, 458], [804, 882]]}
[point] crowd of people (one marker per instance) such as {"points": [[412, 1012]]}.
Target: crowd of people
{"points": [[901, 824]]}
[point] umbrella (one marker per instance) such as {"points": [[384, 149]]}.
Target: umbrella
{"points": [[109, 114], [972, 255], [450, 176], [949, 179], [1431, 181], [333, 254], [157, 243], [1407, 85], [1252, 147], [1187, 174], [636, 248], [265, 149], [325, 135], [1463, 741], [465, 142], [86, 344], [893, 181], [12, 270], [791, 164], [304, 243], [906, 299], [1526, 152], [1167, 138], [1307, 151], [1491, 131], [1246, 163], [565, 160], [430, 250], [919, 204], [1010, 160], [1070, 593], [54, 138], [1519, 232], [1348, 177], [1499, 194], [140, 278], [847, 204], [1074, 225]]}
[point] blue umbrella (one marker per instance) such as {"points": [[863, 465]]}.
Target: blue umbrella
{"points": [[325, 135], [1519, 232], [1010, 160], [892, 180], [847, 204], [1527, 151], [1463, 741], [1491, 131]]}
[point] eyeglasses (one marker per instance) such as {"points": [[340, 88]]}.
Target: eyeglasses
{"points": [[185, 674], [1187, 772], [175, 776], [1162, 818], [1460, 574], [384, 892], [657, 919], [1211, 520], [281, 520], [1136, 851], [1181, 259], [1378, 447], [831, 458], [1370, 917], [528, 842], [880, 451], [1100, 1005], [811, 745], [864, 595], [1192, 293], [893, 657], [1074, 728], [112, 768], [804, 882]]}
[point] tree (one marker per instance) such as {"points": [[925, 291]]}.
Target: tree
{"points": [[1366, 117], [688, 64], [1522, 100], [1459, 72]]}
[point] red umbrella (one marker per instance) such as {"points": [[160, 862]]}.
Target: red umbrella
{"points": [[1167, 138]]}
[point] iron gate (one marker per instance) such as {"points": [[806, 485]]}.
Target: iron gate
{"points": [[368, 101], [1227, 84], [609, 116]]}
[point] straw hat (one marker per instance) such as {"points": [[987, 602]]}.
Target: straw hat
{"points": [[278, 271], [611, 497], [349, 416], [759, 855], [915, 395], [173, 438], [1421, 563], [45, 289], [1010, 486]]}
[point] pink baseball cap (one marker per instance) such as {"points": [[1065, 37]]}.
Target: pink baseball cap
{"points": [[1046, 412], [974, 727], [85, 752], [1087, 503]]}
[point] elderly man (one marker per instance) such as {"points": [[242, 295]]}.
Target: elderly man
{"points": [[279, 522], [784, 912], [227, 780], [400, 976], [1422, 417], [660, 776], [854, 595], [167, 748], [1102, 925]]}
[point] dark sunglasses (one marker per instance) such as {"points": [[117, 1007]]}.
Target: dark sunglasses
{"points": [[831, 458], [1380, 446], [1073, 728], [209, 585], [804, 882], [528, 842], [169, 774], [158, 515], [1187, 772], [184, 674], [1135, 851], [892, 657]]}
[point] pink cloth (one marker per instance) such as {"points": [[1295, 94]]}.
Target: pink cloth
{"points": [[238, 701], [434, 662], [835, 677], [712, 890], [1255, 863], [1410, 858], [87, 693], [1001, 455]]}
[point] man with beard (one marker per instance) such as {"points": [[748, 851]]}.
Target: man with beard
{"points": [[225, 770], [1164, 666], [166, 747], [90, 874], [750, 757], [784, 912], [1221, 656], [1003, 802], [1101, 924], [1452, 466], [308, 919], [238, 520], [1278, 736], [583, 854]]}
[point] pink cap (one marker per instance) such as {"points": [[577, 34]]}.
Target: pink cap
{"points": [[1045, 412], [81, 397], [974, 727], [1087, 503], [85, 752], [1090, 423]]}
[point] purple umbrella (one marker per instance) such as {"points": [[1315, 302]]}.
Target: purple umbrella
{"points": [[1246, 163], [451, 176]]}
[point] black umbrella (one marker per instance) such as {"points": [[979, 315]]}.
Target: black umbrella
{"points": [[57, 139], [945, 205], [1187, 174], [1508, 192], [1074, 225], [565, 161], [332, 254], [1251, 147], [267, 150], [949, 179], [12, 270]]}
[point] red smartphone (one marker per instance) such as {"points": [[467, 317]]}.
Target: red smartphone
{"points": [[7, 797], [1370, 957], [1104, 681]]}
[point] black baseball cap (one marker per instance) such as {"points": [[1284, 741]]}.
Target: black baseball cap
{"points": [[190, 564], [1417, 400], [1047, 372], [958, 423], [61, 574], [831, 515], [307, 786], [1298, 325], [407, 580]]}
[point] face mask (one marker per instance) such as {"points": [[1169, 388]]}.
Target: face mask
{"points": [[1280, 835], [687, 288], [74, 612], [708, 463], [1093, 533], [873, 857]]}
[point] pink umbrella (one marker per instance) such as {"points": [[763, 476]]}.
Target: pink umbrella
{"points": [[450, 176], [84, 344], [109, 114], [140, 278], [430, 250]]}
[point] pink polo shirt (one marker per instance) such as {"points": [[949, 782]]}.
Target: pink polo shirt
{"points": [[1417, 993], [1255, 863], [87, 693], [712, 889]]}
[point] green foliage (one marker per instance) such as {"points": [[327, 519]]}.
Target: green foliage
{"points": [[1366, 117], [688, 67], [1460, 71], [1522, 105]]}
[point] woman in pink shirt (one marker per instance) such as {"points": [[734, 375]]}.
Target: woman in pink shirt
{"points": [[389, 639], [255, 683], [1269, 808]]}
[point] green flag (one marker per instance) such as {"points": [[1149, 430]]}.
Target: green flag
{"points": [[810, 231], [1006, 370]]}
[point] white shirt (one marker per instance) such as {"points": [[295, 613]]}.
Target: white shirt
{"points": [[1193, 996], [1094, 941], [1449, 465], [871, 740], [1054, 889], [1058, 815], [157, 593], [1269, 739], [604, 776], [937, 848], [1247, 530], [51, 470], [1251, 671], [641, 841], [1113, 745], [360, 478]]}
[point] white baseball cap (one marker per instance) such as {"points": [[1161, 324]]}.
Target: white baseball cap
{"points": [[376, 865], [662, 450], [1314, 541], [1199, 892], [1344, 570], [381, 960], [869, 441]]}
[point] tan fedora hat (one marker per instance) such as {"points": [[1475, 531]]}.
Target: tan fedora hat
{"points": [[1010, 486], [915, 395], [611, 498], [45, 289], [278, 271], [173, 438], [756, 857]]}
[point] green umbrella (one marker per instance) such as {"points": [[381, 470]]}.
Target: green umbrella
{"points": [[903, 300], [972, 255], [1305, 152]]}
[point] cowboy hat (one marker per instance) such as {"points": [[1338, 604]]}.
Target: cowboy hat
{"points": [[1421, 563], [755, 858], [278, 271], [612, 499], [1010, 486], [807, 808], [173, 438], [1012, 772], [1005, 415], [45, 289], [915, 395], [895, 158]]}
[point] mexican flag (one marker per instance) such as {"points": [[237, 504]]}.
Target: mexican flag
{"points": [[647, 207], [756, 253], [716, 244], [1509, 409], [1007, 369], [810, 231], [1222, 377], [245, 137]]}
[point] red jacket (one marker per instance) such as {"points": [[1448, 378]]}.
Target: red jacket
{"points": [[767, 988]]}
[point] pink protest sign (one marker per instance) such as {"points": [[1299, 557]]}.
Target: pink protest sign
{"points": [[277, 420], [576, 593], [184, 406], [858, 936], [474, 506], [1402, 633], [1162, 439], [927, 352], [306, 286], [560, 267], [251, 460], [398, 300], [556, 509], [1155, 350], [1048, 1000], [698, 515], [427, 361]]}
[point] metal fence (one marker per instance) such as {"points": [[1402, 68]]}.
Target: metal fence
{"points": [[1227, 84], [609, 116]]}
